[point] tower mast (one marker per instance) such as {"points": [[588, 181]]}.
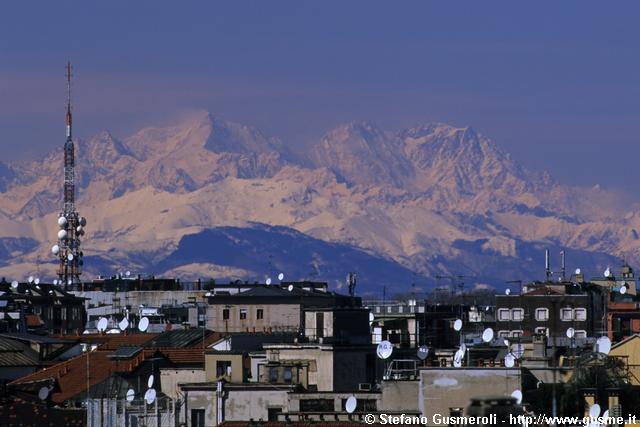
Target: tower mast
{"points": [[70, 222]]}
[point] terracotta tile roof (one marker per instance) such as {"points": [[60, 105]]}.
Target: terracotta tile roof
{"points": [[33, 320], [19, 412], [111, 341]]}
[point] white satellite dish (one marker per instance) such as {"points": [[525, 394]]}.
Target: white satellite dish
{"points": [[507, 292], [517, 350], [150, 381], [62, 234], [594, 411], [102, 324], [281, 277], [457, 363], [509, 360], [79, 229], [69, 282], [458, 356], [268, 280], [351, 404], [384, 350], [30, 279], [603, 345], [127, 273], [506, 342], [150, 396], [144, 324], [70, 257], [130, 395], [457, 325], [487, 335], [208, 294], [605, 415], [578, 271], [371, 317], [290, 288], [423, 352], [124, 324], [607, 272], [113, 331], [55, 281], [571, 333], [55, 249], [36, 280], [518, 395], [43, 393], [623, 289], [14, 284], [62, 221], [463, 347]]}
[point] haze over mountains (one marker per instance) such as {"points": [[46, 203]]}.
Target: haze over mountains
{"points": [[208, 198]]}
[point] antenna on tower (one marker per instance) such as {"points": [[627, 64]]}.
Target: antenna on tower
{"points": [[547, 269], [562, 263]]}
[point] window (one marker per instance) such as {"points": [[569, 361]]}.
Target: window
{"points": [[317, 405], [197, 418], [63, 313], [272, 413], [389, 309], [287, 374], [542, 331], [319, 324], [273, 375], [259, 314], [580, 334], [542, 314], [243, 313], [225, 314], [503, 315], [503, 334], [566, 314], [580, 314], [517, 314], [223, 367], [516, 333]]}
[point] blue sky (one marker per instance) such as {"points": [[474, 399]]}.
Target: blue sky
{"points": [[557, 84]]}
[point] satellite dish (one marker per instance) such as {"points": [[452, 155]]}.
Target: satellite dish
{"points": [[423, 352], [623, 289], [150, 396], [30, 279], [281, 276], [83, 221], [463, 347], [605, 415], [578, 271], [507, 292], [371, 317], [43, 393], [290, 288], [518, 395], [113, 331], [509, 360], [603, 345], [607, 272], [456, 363], [150, 381], [127, 273], [102, 324], [517, 350], [62, 221], [130, 395], [14, 284], [70, 257], [457, 325], [124, 324], [55, 281], [55, 249], [62, 234], [594, 411], [70, 281], [208, 294], [505, 341], [487, 335], [144, 324], [268, 280], [350, 406], [384, 350], [36, 280], [571, 333], [459, 355]]}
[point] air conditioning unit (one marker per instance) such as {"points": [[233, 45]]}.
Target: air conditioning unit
{"points": [[364, 387]]}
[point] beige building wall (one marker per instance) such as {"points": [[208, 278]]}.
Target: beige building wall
{"points": [[210, 365], [201, 399], [320, 366], [277, 317], [169, 379], [629, 351], [442, 389], [242, 405], [400, 396]]}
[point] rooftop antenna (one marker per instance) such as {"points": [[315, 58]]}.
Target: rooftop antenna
{"points": [[70, 222], [351, 281], [547, 269], [562, 263]]}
